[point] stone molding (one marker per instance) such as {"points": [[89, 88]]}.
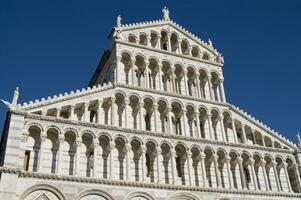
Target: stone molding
{"points": [[23, 174]]}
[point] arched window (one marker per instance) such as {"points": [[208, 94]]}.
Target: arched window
{"points": [[143, 39], [195, 52], [132, 39], [205, 56]]}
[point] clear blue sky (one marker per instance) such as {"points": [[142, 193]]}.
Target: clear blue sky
{"points": [[49, 47]]}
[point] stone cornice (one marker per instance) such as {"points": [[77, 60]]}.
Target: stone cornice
{"points": [[168, 52], [149, 133], [23, 174]]}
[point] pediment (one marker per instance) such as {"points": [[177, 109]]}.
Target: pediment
{"points": [[157, 27]]}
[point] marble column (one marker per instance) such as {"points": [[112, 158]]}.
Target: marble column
{"points": [[160, 77], [86, 112], [184, 117], [244, 137], [287, 177], [204, 176], [179, 43], [210, 88], [173, 155], [276, 176], [58, 112], [217, 172], [252, 163], [222, 90], [113, 175], [118, 67], [159, 164], [156, 106], [96, 147], [72, 114], [198, 128], [146, 84], [168, 41], [190, 167], [221, 119], [99, 111], [210, 126], [263, 164], [173, 79], [234, 131], [128, 149], [198, 93], [126, 111], [43, 138], [142, 124], [186, 83], [78, 144], [170, 125], [242, 174], [60, 142], [143, 163], [228, 163], [113, 114]]}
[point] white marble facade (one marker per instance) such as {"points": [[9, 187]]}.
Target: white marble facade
{"points": [[153, 124]]}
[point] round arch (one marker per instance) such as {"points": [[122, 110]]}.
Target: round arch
{"points": [[139, 194], [43, 187], [36, 125], [183, 195], [95, 192]]}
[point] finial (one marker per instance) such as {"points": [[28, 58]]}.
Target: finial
{"points": [[118, 21], [210, 43], [16, 96], [165, 12], [299, 140]]}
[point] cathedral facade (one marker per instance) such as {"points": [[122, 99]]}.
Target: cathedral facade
{"points": [[153, 124]]}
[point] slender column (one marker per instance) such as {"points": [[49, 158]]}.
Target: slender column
{"points": [[244, 137], [262, 140], [189, 166], [173, 155], [263, 164], [197, 118], [144, 169], [160, 77], [86, 112], [287, 177], [159, 162], [217, 174], [72, 115], [253, 135], [156, 116], [128, 167], [221, 118], [149, 41], [146, 85], [133, 71], [204, 176], [58, 111], [222, 90], [276, 176], [142, 116], [185, 82], [298, 176], [118, 67], [99, 111], [180, 42], [112, 148], [113, 111], [95, 160], [228, 162], [173, 79], [126, 110], [186, 133], [210, 126], [168, 41], [198, 84], [77, 156], [159, 45], [60, 141], [170, 120], [210, 88], [242, 174], [252, 163], [234, 131], [43, 137]]}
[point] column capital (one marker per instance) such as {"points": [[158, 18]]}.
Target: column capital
{"points": [[252, 161], [240, 159], [143, 148], [263, 163], [43, 136], [86, 104], [61, 139], [72, 107], [228, 159], [112, 145], [78, 142], [215, 157], [173, 152], [202, 155], [128, 147], [159, 150], [113, 98], [95, 143], [99, 102]]}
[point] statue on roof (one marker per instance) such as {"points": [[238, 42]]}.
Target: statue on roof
{"points": [[165, 12], [210, 43], [14, 104], [299, 140], [118, 21], [16, 96]]}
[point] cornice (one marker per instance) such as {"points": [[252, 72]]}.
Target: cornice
{"points": [[155, 134], [168, 52], [23, 174]]}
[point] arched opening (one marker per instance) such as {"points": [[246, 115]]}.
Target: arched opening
{"points": [[229, 132], [182, 164], [222, 167], [271, 174], [134, 111], [259, 173], [132, 39], [136, 161], [293, 175], [179, 79], [68, 153], [127, 66], [191, 82], [210, 169], [235, 171], [216, 125], [191, 121], [104, 159], [152, 74], [204, 93], [143, 39], [176, 118], [247, 171], [163, 112], [205, 56], [215, 87], [204, 124], [140, 71], [195, 52], [197, 179], [166, 77], [120, 158], [86, 155], [120, 106], [154, 40], [174, 43], [51, 149], [167, 168], [148, 114], [164, 41], [151, 161], [185, 47], [33, 145]]}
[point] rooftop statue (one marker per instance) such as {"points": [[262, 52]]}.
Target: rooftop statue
{"points": [[166, 14]]}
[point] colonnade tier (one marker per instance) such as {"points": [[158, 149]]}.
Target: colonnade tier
{"points": [[160, 116], [171, 41], [48, 150], [163, 75]]}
